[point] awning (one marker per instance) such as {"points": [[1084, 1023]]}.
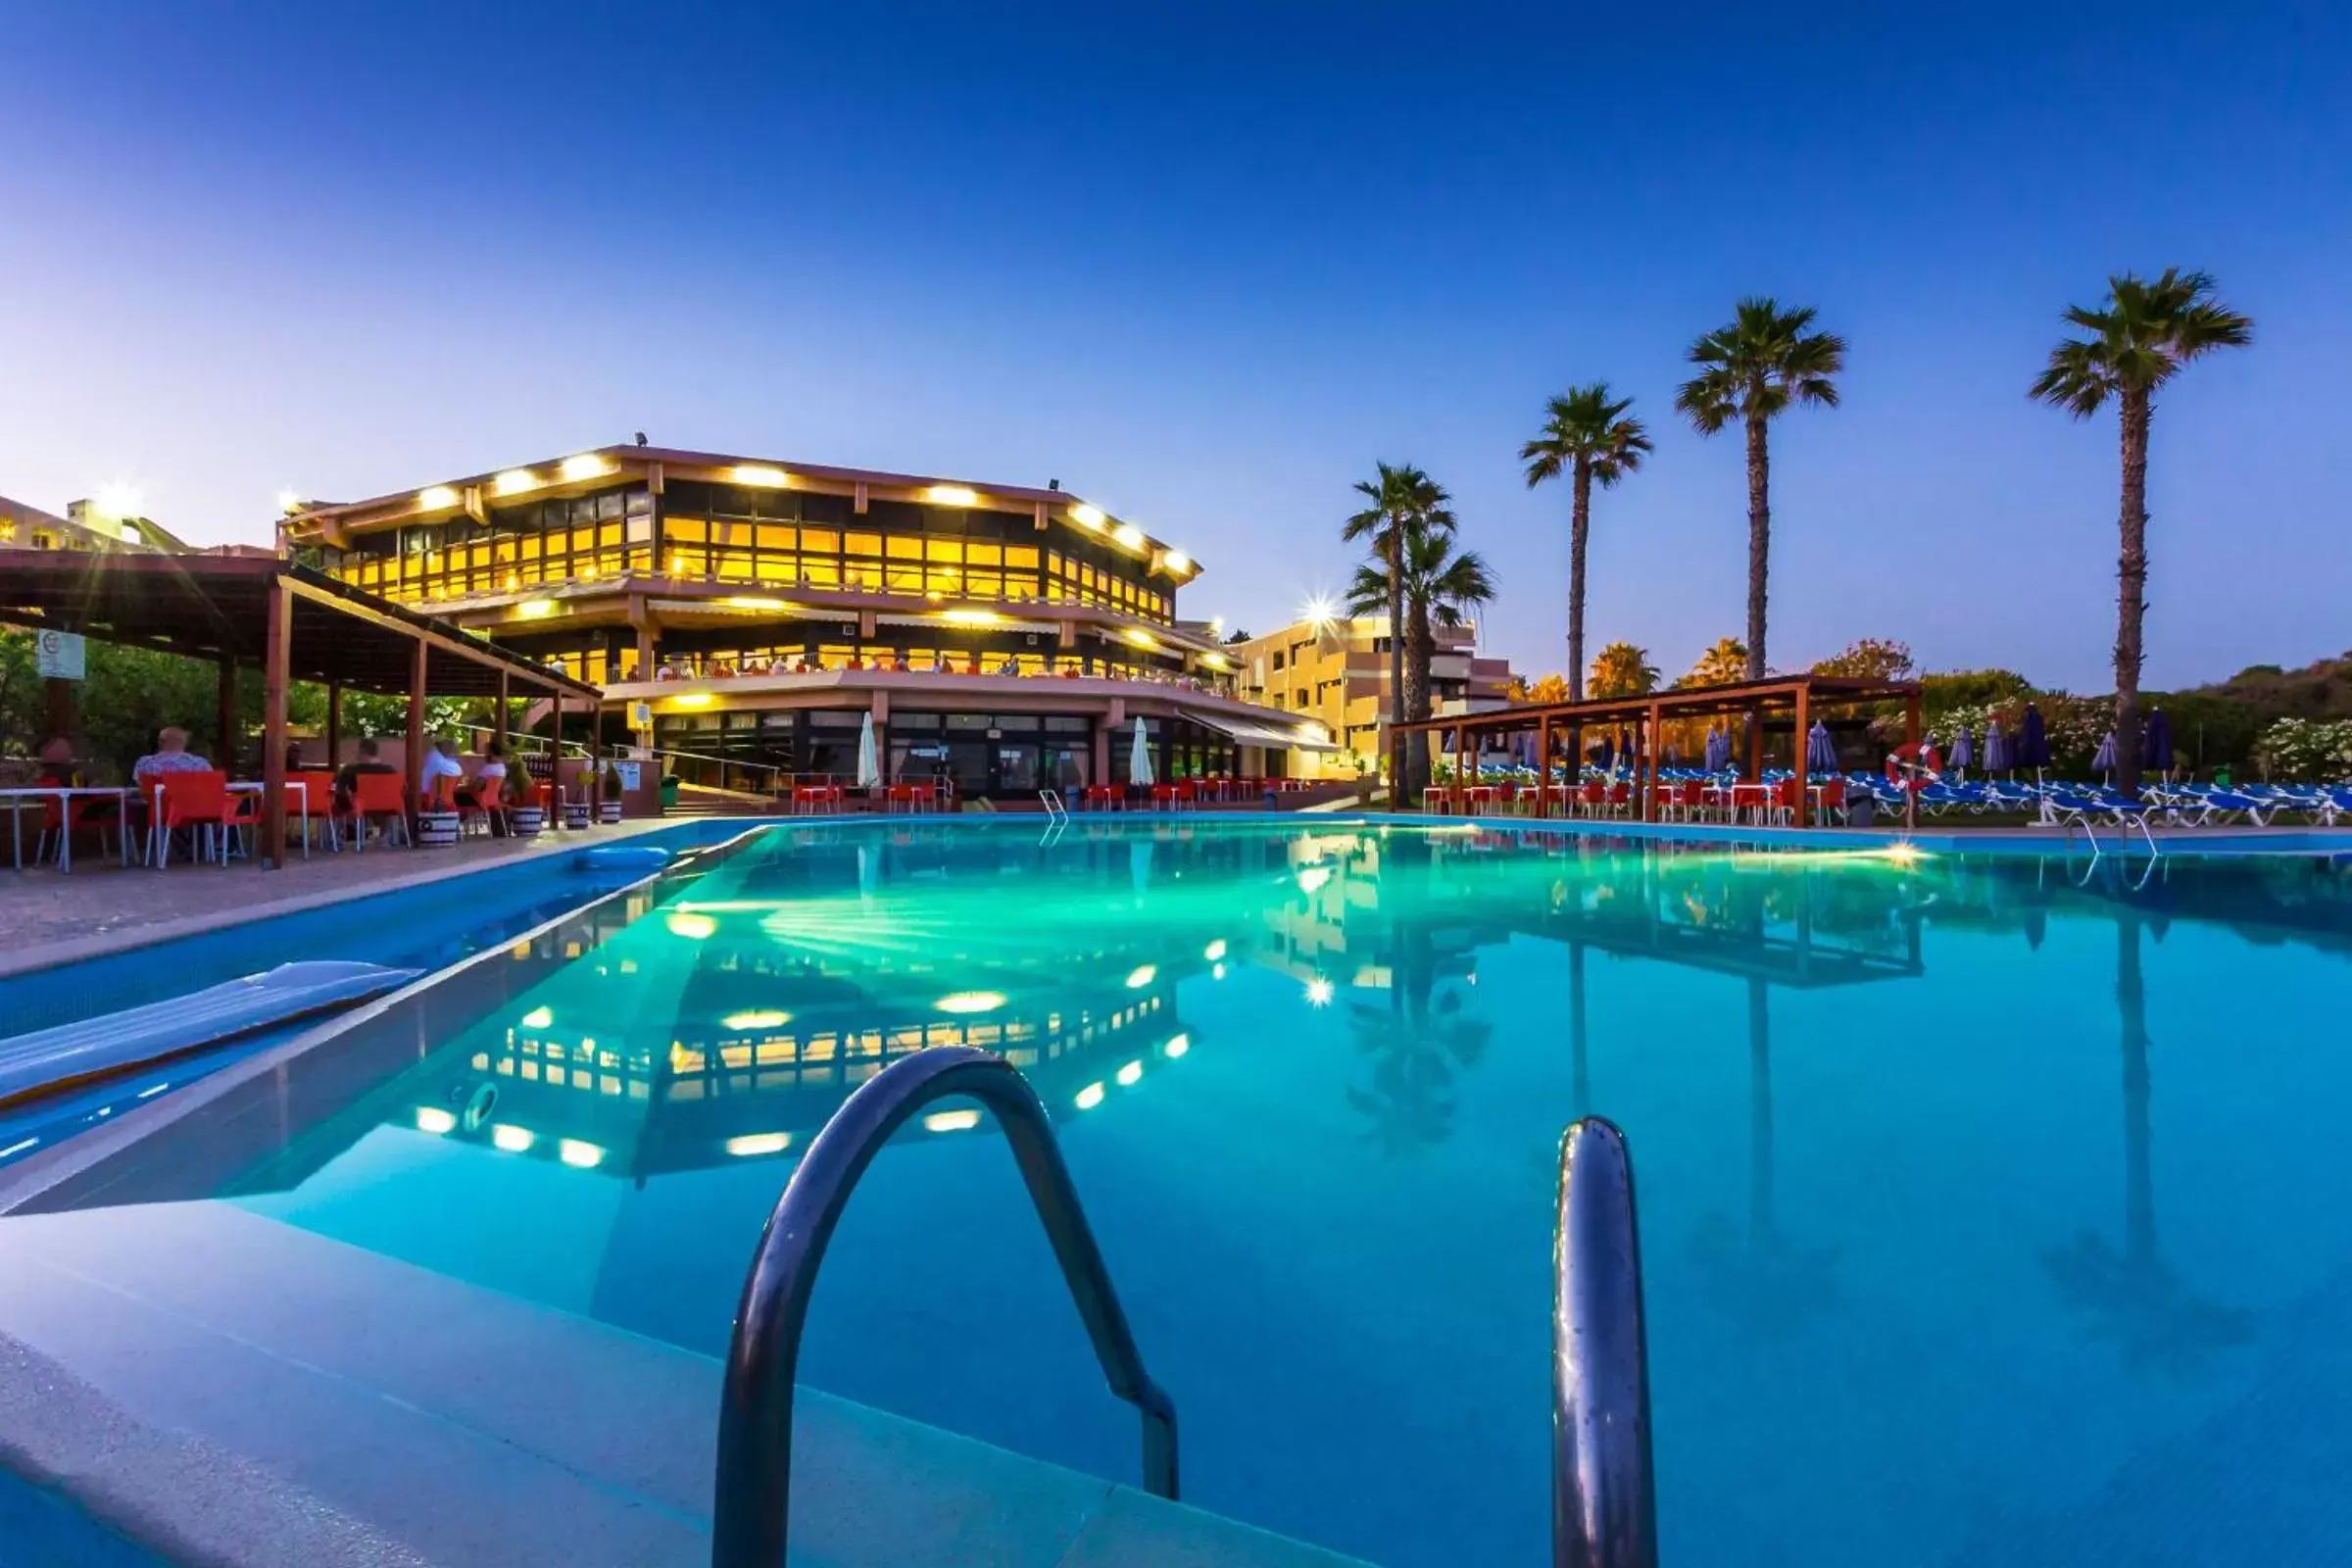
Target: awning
{"points": [[1252, 734]]}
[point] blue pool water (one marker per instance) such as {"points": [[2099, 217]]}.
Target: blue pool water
{"points": [[1993, 1212]]}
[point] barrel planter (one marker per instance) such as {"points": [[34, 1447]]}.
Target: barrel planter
{"points": [[525, 821], [437, 830], [608, 811], [575, 815]]}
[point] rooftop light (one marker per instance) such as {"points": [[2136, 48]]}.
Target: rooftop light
{"points": [[970, 1001], [760, 1143], [515, 481], [752, 601], [1128, 534], [578, 1153], [1176, 561], [970, 617], [761, 474], [1139, 637], [1319, 611], [513, 1139], [1087, 516], [535, 608], [951, 495], [436, 497], [288, 501], [951, 1121], [691, 699], [587, 466]]}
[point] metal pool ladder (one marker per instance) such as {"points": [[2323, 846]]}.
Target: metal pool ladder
{"points": [[751, 1513], [1604, 1496]]}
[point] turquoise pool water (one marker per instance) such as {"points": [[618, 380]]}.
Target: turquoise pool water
{"points": [[1993, 1212]]}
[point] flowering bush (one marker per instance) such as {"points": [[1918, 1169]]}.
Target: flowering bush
{"points": [[2319, 750]]}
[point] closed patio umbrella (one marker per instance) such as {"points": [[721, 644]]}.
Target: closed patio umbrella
{"points": [[1604, 756], [2156, 749], [1719, 751], [1964, 752], [1821, 757], [1138, 759], [1996, 750], [2032, 745], [2103, 760], [869, 766]]}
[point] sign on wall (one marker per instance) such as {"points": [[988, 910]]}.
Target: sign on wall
{"points": [[58, 654]]}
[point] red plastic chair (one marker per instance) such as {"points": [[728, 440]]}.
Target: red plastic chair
{"points": [[194, 800], [377, 795], [89, 810]]}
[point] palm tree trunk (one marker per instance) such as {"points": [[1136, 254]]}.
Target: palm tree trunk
{"points": [[2131, 587], [1396, 747], [1579, 528], [1420, 651], [1759, 541]]}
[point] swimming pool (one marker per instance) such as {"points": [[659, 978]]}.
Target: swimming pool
{"points": [[1993, 1210]]}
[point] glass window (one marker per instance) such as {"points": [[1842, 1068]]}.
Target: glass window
{"points": [[820, 541], [905, 547], [862, 544], [685, 530], [772, 536], [1021, 556], [945, 549]]}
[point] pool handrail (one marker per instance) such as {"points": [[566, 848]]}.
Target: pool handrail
{"points": [[751, 1515], [1604, 1493]]}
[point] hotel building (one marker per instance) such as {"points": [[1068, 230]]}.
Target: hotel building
{"points": [[1335, 672], [750, 613]]}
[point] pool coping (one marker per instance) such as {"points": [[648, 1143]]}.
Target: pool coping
{"points": [[37, 1174]]}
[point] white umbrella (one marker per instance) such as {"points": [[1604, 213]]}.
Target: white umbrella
{"points": [[1139, 760], [2104, 759], [869, 768], [1964, 751]]}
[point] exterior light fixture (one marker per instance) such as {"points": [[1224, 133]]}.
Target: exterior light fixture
{"points": [[515, 481], [586, 466], [951, 495], [436, 497], [762, 475], [1086, 516], [1128, 534]]}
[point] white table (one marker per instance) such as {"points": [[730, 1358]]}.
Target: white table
{"points": [[62, 795], [302, 798]]}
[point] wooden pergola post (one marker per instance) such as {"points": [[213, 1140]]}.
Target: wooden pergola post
{"points": [[1910, 780], [498, 731], [334, 723], [224, 733], [1803, 748], [1755, 744], [1647, 773], [554, 752], [1542, 766], [276, 666], [414, 765]]}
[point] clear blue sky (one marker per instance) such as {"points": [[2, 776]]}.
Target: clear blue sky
{"points": [[1207, 263]]}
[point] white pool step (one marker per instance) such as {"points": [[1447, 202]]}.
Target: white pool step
{"points": [[219, 1387]]}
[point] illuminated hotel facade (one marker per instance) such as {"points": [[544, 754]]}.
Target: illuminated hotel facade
{"points": [[1334, 673], [758, 612]]}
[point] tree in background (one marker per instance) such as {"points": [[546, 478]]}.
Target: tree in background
{"points": [[1724, 664], [1869, 659], [1544, 689], [1751, 370], [1621, 669], [1438, 587], [1398, 498], [2142, 337], [1587, 435]]}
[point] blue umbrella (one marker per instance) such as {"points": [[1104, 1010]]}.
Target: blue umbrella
{"points": [[1996, 750], [1604, 756], [2156, 748], [2033, 746], [2104, 759], [1719, 751], [1964, 751], [1821, 757]]}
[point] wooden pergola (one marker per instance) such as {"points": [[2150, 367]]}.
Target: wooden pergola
{"points": [[290, 621], [1803, 696]]}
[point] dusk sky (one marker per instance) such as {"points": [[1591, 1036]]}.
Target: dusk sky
{"points": [[1206, 264]]}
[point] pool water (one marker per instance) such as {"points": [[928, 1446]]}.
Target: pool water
{"points": [[1993, 1212]]}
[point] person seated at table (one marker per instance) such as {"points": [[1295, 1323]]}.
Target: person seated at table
{"points": [[347, 781], [57, 769], [440, 763], [899, 664], [170, 756], [668, 672], [486, 791]]}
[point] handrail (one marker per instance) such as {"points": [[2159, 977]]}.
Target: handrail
{"points": [[1603, 1498], [751, 1519]]}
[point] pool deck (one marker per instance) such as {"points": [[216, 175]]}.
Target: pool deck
{"points": [[102, 907]]}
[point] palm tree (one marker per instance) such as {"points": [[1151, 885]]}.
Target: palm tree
{"points": [[1623, 671], [1588, 436], [1438, 586], [1400, 497], [2141, 340], [1723, 663], [1756, 366]]}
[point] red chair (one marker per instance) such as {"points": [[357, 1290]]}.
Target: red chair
{"points": [[91, 811], [1163, 794], [1188, 796], [196, 801], [1620, 797], [1833, 798], [899, 796], [379, 795], [1591, 797]]}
